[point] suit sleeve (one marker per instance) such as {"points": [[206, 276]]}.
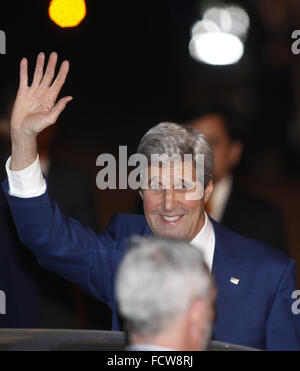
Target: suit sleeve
{"points": [[65, 246], [283, 326]]}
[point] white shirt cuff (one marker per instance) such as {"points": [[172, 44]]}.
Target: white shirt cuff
{"points": [[28, 182]]}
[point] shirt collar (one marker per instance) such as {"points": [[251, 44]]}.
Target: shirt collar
{"points": [[205, 241]]}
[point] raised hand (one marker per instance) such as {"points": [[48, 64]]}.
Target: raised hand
{"points": [[35, 107]]}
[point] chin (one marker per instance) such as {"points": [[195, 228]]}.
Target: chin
{"points": [[176, 236]]}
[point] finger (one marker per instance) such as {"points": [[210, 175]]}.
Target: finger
{"points": [[58, 108], [49, 74], [60, 78], [23, 73], [39, 67]]}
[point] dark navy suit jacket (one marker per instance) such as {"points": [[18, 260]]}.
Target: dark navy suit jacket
{"points": [[256, 312]]}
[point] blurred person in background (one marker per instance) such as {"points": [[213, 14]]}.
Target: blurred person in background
{"points": [[165, 296], [230, 203]]}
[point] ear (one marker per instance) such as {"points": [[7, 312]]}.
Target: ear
{"points": [[235, 154], [208, 190], [196, 319], [197, 310]]}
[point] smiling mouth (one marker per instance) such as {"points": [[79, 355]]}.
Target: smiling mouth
{"points": [[171, 219]]}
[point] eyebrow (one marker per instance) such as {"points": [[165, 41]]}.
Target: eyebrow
{"points": [[185, 182], [179, 180], [153, 178]]}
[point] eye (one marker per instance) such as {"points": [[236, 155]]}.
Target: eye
{"points": [[184, 186], [188, 186], [155, 185]]}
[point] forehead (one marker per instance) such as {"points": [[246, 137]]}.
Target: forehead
{"points": [[173, 169], [210, 125]]}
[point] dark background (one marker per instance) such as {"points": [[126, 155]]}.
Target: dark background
{"points": [[130, 69]]}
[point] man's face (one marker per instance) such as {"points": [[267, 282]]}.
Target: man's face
{"points": [[170, 212], [227, 153]]}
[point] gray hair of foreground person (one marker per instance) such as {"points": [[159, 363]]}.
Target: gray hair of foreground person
{"points": [[174, 139], [157, 283]]}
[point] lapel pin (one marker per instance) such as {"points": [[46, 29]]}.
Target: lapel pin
{"points": [[234, 280]]}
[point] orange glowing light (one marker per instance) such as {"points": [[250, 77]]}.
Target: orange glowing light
{"points": [[67, 13]]}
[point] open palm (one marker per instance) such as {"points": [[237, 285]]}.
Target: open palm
{"points": [[35, 107]]}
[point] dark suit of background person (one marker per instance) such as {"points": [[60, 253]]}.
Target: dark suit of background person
{"points": [[17, 267], [17, 278], [241, 211]]}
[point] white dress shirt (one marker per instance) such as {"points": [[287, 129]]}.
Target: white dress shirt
{"points": [[205, 241], [30, 182]]}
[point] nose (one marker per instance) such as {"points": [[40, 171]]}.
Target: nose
{"points": [[169, 200]]}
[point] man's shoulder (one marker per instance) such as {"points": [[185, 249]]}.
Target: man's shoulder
{"points": [[129, 224], [254, 203], [247, 249]]}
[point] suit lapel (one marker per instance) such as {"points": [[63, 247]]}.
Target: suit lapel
{"points": [[229, 278]]}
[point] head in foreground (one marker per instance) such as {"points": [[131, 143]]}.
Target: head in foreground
{"points": [[165, 295]]}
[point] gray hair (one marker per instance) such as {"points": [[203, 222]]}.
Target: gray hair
{"points": [[174, 139], [158, 280]]}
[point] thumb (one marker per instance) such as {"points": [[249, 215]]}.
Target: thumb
{"points": [[58, 108]]}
